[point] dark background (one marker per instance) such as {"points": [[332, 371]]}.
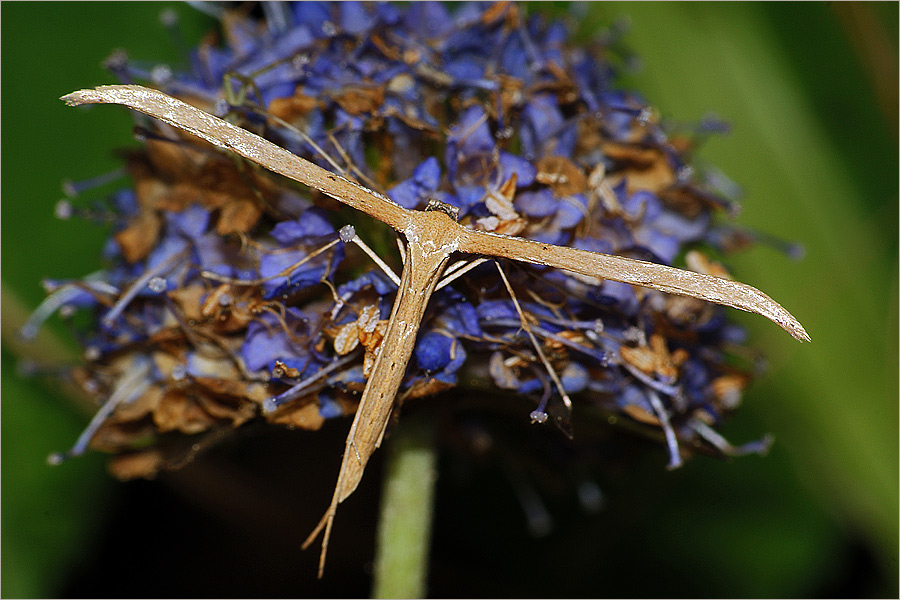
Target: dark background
{"points": [[811, 92]]}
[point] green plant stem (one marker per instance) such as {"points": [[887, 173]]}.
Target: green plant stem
{"points": [[404, 528], [47, 349]]}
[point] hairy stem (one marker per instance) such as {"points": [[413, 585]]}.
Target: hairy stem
{"points": [[404, 528]]}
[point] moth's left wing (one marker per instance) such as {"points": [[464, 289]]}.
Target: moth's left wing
{"points": [[636, 272]]}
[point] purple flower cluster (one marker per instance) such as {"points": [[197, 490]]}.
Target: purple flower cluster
{"points": [[229, 294]]}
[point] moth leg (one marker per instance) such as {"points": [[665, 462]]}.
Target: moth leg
{"points": [[348, 235], [402, 249], [325, 523], [537, 347], [327, 520], [457, 270]]}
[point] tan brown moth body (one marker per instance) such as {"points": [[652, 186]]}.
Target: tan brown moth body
{"points": [[432, 236]]}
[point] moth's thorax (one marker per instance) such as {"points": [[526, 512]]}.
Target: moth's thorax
{"points": [[433, 232]]}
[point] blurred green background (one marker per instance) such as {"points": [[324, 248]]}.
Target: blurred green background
{"points": [[811, 93]]}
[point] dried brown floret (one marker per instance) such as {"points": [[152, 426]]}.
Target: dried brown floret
{"points": [[360, 100], [654, 358], [238, 216], [562, 175], [179, 412], [300, 414], [142, 464], [139, 238], [291, 108]]}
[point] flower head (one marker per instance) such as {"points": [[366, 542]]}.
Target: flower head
{"points": [[228, 293]]}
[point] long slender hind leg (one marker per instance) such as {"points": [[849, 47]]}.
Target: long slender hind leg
{"points": [[352, 466]]}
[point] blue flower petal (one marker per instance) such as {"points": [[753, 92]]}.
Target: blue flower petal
{"points": [[496, 309], [355, 19], [428, 174], [387, 13], [550, 235], [311, 223], [465, 68], [542, 119], [428, 19], [461, 318], [632, 395], [681, 227], [469, 195], [665, 247], [125, 202], [376, 279], [458, 358], [266, 341], [192, 222], [572, 210], [294, 40], [329, 408], [165, 250], [592, 244], [421, 186], [540, 203], [304, 276], [513, 59], [524, 170], [312, 14], [471, 134], [406, 194], [620, 294], [433, 351], [574, 378], [213, 255], [565, 140]]}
